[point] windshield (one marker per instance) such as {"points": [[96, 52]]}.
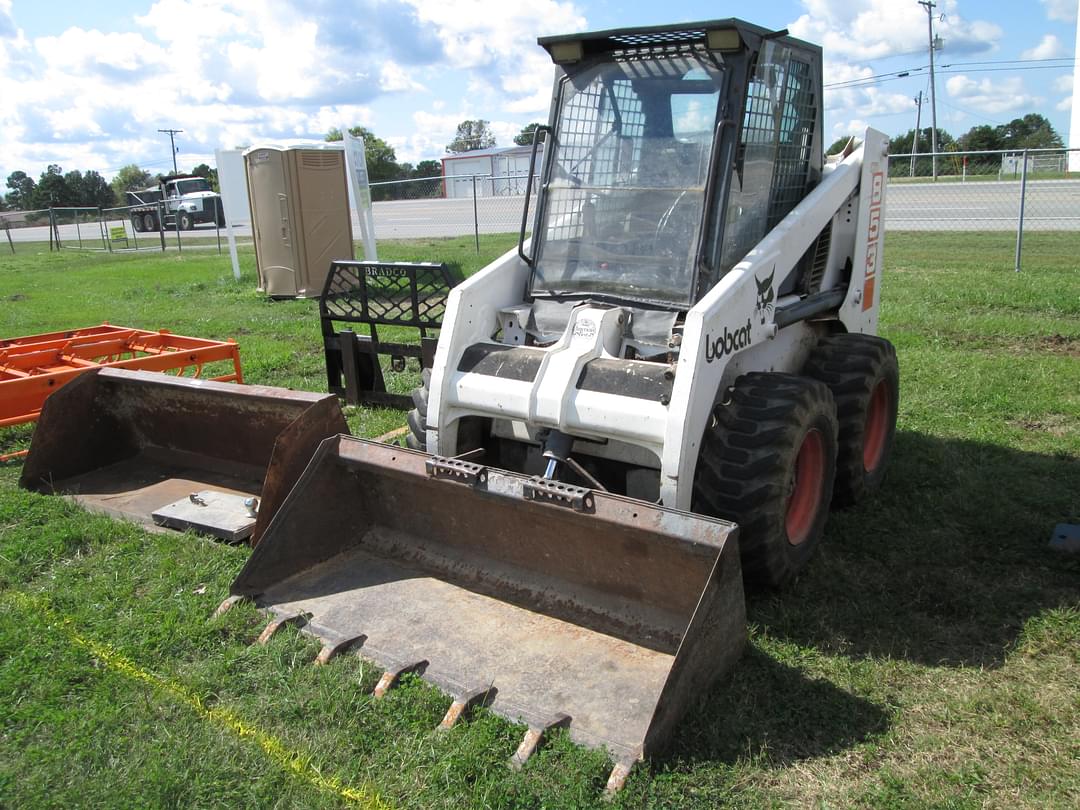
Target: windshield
{"points": [[627, 179], [189, 186]]}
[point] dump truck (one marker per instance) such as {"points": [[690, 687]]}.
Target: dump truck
{"points": [[181, 201], [656, 397]]}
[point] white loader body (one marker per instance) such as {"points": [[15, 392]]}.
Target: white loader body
{"points": [[725, 334]]}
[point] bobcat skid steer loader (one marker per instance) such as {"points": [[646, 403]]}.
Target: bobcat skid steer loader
{"points": [[685, 343]]}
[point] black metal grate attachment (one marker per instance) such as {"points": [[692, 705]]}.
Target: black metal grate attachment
{"points": [[397, 294], [387, 293]]}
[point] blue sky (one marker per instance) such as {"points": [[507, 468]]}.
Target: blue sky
{"points": [[87, 85]]}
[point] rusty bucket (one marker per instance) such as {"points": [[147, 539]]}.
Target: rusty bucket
{"points": [[136, 444], [550, 604]]}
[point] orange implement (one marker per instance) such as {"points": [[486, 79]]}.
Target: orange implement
{"points": [[33, 367]]}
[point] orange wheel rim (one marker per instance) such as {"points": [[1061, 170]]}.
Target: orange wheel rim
{"points": [[804, 502], [877, 427]]}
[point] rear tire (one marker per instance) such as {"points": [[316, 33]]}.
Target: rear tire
{"points": [[863, 375], [417, 438], [150, 222], [137, 223], [767, 462]]}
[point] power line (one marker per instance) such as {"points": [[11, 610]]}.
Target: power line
{"points": [[881, 78]]}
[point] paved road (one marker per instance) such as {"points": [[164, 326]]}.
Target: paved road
{"points": [[1050, 205]]}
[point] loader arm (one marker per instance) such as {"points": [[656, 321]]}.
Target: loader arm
{"points": [[702, 374]]}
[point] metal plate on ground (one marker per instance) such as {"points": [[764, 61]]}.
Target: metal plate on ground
{"points": [[1066, 537], [219, 514]]}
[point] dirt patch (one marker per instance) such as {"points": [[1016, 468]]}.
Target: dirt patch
{"points": [[17, 297], [1056, 424], [1065, 345]]}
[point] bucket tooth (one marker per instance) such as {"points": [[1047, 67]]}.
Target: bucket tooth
{"points": [[617, 780], [392, 675], [334, 649], [229, 603], [299, 619], [464, 701], [534, 737]]}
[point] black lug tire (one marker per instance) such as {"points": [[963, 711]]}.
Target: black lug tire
{"points": [[853, 366], [137, 223], [417, 438], [150, 222], [187, 221], [746, 468]]}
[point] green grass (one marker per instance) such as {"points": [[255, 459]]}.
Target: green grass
{"points": [[928, 657]]}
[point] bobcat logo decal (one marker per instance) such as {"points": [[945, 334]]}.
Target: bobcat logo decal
{"points": [[765, 296]]}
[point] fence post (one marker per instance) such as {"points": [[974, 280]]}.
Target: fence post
{"points": [[1020, 220], [475, 215], [161, 224], [52, 231], [78, 229], [7, 229], [103, 226]]}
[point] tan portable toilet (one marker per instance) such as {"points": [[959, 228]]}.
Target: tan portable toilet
{"points": [[299, 215]]}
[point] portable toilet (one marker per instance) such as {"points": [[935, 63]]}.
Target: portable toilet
{"points": [[299, 214]]}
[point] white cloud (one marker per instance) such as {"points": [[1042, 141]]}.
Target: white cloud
{"points": [[1065, 105], [873, 29], [394, 78], [1064, 84], [990, 96], [1049, 47], [1061, 10]]}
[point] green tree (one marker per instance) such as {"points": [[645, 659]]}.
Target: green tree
{"points": [[981, 137], [129, 178], [382, 163], [51, 188], [22, 192], [525, 137], [96, 191], [472, 135], [1032, 131], [211, 175], [838, 145], [428, 168]]}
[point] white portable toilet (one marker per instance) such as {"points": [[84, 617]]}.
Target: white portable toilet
{"points": [[299, 215]]}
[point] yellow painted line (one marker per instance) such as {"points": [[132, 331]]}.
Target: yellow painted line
{"points": [[294, 762]]}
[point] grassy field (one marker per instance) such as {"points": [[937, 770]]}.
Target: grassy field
{"points": [[928, 657]]}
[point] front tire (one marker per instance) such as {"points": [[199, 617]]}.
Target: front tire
{"points": [[863, 375], [187, 221], [767, 462]]}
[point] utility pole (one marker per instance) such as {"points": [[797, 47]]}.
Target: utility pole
{"points": [[172, 133], [918, 123], [929, 5]]}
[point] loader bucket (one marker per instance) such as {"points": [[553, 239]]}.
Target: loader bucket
{"points": [[551, 604], [135, 443]]}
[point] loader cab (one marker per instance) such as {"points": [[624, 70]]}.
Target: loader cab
{"points": [[671, 152]]}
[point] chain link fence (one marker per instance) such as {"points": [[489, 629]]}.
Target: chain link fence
{"points": [[1014, 199], [455, 205], [1017, 199], [121, 229]]}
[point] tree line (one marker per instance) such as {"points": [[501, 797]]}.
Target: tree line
{"points": [[383, 166], [55, 188], [1033, 131], [58, 189]]}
